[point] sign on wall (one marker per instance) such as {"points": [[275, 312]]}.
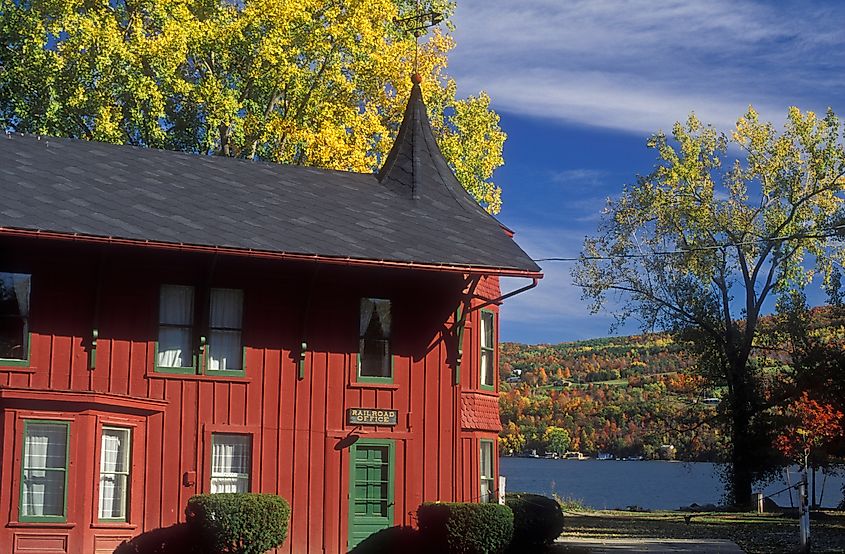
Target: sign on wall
{"points": [[368, 416]]}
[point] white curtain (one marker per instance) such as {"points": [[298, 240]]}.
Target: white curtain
{"points": [[44, 458], [224, 341], [371, 306], [176, 315], [114, 469], [230, 463], [21, 284]]}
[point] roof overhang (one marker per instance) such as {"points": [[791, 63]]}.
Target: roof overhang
{"points": [[271, 255]]}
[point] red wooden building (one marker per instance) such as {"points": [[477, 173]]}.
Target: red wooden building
{"points": [[172, 324]]}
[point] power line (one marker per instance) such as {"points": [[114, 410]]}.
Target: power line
{"points": [[832, 232]]}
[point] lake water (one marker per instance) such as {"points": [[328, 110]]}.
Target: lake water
{"points": [[654, 485]]}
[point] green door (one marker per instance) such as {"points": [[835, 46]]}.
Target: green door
{"points": [[370, 488]]}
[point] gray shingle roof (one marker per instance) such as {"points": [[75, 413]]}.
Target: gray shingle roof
{"points": [[101, 190]]}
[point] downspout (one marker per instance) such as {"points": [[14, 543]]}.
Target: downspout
{"points": [[534, 282]]}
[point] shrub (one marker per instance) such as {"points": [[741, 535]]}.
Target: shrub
{"points": [[466, 528], [238, 523], [537, 520]]}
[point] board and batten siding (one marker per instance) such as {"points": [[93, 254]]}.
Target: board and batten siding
{"points": [[297, 424]]}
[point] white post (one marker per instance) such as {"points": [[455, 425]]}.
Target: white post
{"points": [[502, 479], [758, 501], [804, 515]]}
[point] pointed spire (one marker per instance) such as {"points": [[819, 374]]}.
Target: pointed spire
{"points": [[415, 165]]}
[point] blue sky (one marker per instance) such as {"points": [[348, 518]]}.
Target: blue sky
{"points": [[580, 85]]}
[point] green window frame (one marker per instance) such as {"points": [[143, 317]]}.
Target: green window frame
{"points": [[115, 473], [48, 472], [375, 355], [487, 350], [202, 338], [487, 485], [15, 296]]}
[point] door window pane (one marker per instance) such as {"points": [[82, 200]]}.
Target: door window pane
{"points": [[225, 349], [374, 338], [176, 320], [114, 472], [230, 462], [44, 469], [14, 316]]}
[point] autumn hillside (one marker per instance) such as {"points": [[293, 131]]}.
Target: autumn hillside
{"points": [[622, 395]]}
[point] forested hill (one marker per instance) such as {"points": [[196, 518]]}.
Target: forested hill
{"points": [[627, 396]]}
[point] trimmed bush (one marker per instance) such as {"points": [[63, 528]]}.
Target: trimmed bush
{"points": [[466, 528], [537, 520], [238, 523]]}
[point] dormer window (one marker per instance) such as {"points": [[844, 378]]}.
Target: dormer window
{"points": [[14, 317]]}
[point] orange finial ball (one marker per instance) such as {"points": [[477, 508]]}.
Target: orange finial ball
{"points": [[416, 78]]}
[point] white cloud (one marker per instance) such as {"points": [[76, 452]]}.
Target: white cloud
{"points": [[639, 66]]}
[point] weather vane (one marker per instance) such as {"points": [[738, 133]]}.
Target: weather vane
{"points": [[417, 24]]}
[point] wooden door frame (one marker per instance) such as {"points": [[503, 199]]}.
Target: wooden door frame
{"points": [[391, 473]]}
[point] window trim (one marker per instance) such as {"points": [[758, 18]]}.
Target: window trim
{"points": [[43, 519], [200, 332], [481, 349], [374, 379], [492, 476], [251, 464], [128, 500]]}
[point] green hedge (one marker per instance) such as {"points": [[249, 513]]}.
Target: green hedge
{"points": [[466, 528], [537, 520], [238, 523]]}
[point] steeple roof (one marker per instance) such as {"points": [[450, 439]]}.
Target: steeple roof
{"points": [[416, 167]]}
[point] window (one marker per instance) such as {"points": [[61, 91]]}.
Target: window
{"points": [[488, 349], [224, 342], [374, 360], [179, 332], [176, 324], [486, 471], [44, 471], [230, 462], [114, 472], [14, 318]]}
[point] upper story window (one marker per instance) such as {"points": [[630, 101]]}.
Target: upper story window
{"points": [[14, 317], [185, 345], [44, 471], [374, 357], [488, 349]]}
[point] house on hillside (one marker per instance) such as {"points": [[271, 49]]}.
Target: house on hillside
{"points": [[173, 324]]}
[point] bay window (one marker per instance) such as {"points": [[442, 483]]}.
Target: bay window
{"points": [[44, 471], [114, 472]]}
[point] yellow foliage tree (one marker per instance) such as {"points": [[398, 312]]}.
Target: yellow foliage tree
{"points": [[311, 82]]}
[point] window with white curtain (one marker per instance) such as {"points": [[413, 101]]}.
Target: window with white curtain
{"points": [[114, 472], [230, 462], [488, 348], [14, 316], [374, 339], [176, 324], [486, 470], [225, 351], [44, 470]]}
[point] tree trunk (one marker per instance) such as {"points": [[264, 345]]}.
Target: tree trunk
{"points": [[742, 444]]}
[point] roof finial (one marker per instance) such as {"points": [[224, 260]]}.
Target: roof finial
{"points": [[418, 24]]}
